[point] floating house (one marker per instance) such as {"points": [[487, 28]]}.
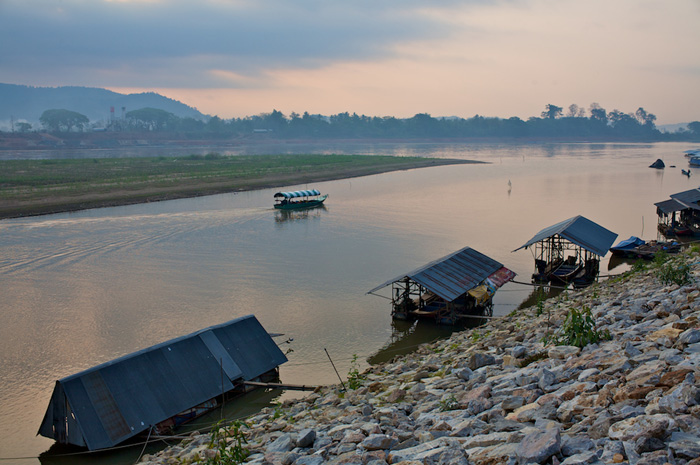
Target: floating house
{"points": [[161, 386], [569, 251], [449, 289], [680, 215]]}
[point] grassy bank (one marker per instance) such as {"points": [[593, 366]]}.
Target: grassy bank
{"points": [[35, 187]]}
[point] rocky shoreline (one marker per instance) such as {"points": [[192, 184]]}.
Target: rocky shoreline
{"points": [[498, 394]]}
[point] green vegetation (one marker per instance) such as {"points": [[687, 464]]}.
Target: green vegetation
{"points": [[672, 273], [579, 330], [48, 186], [228, 442], [355, 378], [448, 403]]}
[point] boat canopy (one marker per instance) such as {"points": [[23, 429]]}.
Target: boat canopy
{"points": [[670, 206], [580, 231], [457, 273], [690, 198], [107, 404], [294, 194]]}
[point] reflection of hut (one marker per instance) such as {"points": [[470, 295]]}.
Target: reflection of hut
{"points": [[680, 216], [448, 289], [569, 251], [161, 386]]}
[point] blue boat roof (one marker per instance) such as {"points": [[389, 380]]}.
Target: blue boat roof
{"points": [[630, 243], [121, 398], [452, 275], [294, 194], [580, 231]]}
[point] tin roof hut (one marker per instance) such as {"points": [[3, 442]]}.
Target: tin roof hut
{"points": [[110, 403], [567, 251], [448, 289]]}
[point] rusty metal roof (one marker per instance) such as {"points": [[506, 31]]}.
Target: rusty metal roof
{"points": [[126, 396], [452, 275]]}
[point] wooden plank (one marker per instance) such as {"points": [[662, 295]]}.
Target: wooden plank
{"points": [[291, 387]]}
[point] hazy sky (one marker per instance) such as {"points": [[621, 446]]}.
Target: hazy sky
{"points": [[373, 57]]}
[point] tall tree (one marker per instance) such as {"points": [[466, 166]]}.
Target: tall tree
{"points": [[598, 113], [575, 111], [647, 119], [551, 111], [60, 120]]}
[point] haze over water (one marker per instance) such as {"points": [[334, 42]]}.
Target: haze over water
{"points": [[83, 288]]}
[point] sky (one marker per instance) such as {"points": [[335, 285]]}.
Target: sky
{"points": [[237, 58]]}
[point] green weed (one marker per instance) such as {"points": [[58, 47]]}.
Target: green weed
{"points": [[579, 330], [355, 378], [670, 274], [221, 435]]}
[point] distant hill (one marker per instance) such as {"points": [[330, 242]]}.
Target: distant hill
{"points": [[28, 103]]}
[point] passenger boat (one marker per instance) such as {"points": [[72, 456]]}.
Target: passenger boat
{"points": [[297, 200]]}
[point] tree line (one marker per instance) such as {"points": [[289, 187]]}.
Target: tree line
{"points": [[554, 122]]}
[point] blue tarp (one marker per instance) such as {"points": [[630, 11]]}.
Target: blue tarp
{"points": [[628, 244], [294, 194], [107, 404], [451, 276], [580, 231]]}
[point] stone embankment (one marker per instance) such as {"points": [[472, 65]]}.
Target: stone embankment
{"points": [[498, 394]]}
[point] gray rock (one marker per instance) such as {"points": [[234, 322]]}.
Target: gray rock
{"points": [[689, 336], [511, 403], [563, 352], [546, 379], [648, 444], [583, 458], [685, 449], [309, 460], [518, 351], [306, 438], [480, 359], [284, 443], [379, 442], [464, 373], [586, 374], [538, 446], [645, 425], [631, 350], [573, 445]]}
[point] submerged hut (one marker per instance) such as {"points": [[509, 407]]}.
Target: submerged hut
{"points": [[161, 386], [569, 251], [446, 290], [680, 215]]}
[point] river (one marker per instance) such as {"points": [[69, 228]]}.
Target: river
{"points": [[79, 289]]}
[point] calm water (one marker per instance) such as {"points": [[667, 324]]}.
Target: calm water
{"points": [[83, 288]]}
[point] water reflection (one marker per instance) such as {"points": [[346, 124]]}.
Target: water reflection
{"points": [[406, 336], [540, 294], [283, 216]]}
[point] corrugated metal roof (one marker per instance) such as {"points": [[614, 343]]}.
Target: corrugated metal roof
{"points": [[687, 197], [294, 194], [580, 231], [452, 275], [121, 398], [670, 206]]}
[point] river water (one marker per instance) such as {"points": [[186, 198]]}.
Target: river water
{"points": [[79, 289]]}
